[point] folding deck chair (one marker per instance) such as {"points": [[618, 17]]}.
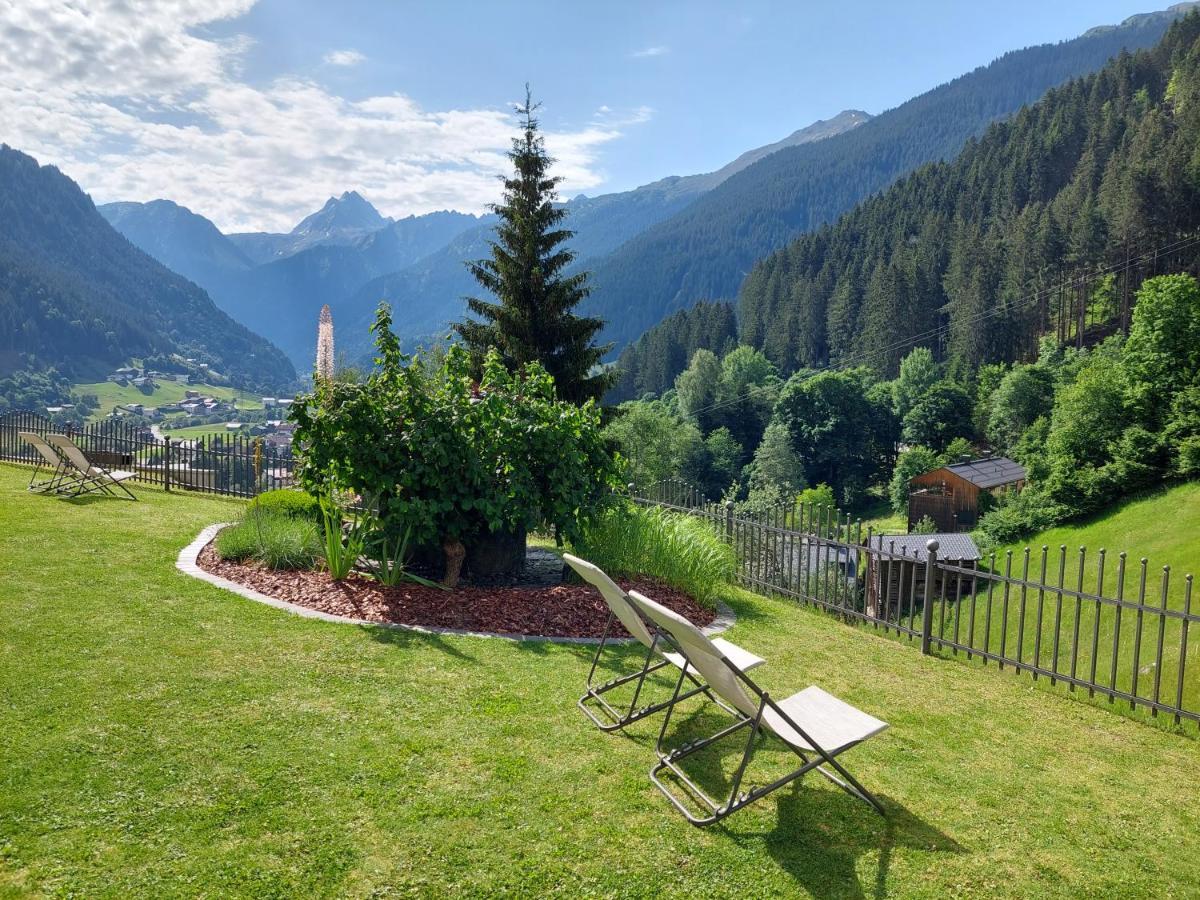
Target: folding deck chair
{"points": [[816, 726], [620, 609], [90, 477], [60, 473]]}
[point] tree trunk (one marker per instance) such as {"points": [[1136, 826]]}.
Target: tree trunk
{"points": [[455, 551]]}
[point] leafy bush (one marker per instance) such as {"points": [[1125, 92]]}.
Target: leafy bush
{"points": [[289, 503], [912, 462], [820, 495], [277, 541], [682, 550], [447, 459], [1016, 515]]}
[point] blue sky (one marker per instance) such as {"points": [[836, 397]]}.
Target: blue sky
{"points": [[253, 112]]}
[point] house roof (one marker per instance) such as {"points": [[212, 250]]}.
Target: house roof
{"points": [[990, 472], [950, 546]]}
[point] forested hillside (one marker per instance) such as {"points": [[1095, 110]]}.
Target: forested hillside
{"points": [[706, 250], [1102, 170], [77, 296], [650, 364]]}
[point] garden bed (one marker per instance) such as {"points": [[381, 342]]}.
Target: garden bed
{"points": [[561, 610]]}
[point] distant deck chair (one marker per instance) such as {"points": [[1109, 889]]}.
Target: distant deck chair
{"points": [[60, 473], [89, 477], [620, 610], [816, 726]]}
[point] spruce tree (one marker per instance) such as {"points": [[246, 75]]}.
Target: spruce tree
{"points": [[531, 318]]}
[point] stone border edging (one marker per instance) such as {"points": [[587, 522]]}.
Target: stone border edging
{"points": [[188, 565]]}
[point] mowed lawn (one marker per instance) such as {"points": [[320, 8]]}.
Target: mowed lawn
{"points": [[1162, 526], [161, 737], [110, 394]]}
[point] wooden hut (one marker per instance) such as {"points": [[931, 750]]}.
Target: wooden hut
{"points": [[949, 495]]}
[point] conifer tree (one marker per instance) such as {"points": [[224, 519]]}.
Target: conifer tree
{"points": [[531, 318]]}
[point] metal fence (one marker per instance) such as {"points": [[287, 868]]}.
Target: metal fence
{"points": [[236, 465], [1088, 622]]}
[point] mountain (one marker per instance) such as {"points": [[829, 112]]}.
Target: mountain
{"points": [[965, 256], [341, 220], [427, 296], [347, 215], [276, 284], [817, 131], [186, 243], [705, 250], [77, 296]]}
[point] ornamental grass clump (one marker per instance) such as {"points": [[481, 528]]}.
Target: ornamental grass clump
{"points": [[682, 550], [277, 541]]}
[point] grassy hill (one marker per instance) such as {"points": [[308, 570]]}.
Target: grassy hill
{"points": [[1118, 646], [110, 394], [1163, 526]]}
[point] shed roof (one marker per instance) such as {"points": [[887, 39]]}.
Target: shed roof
{"points": [[990, 472], [950, 545]]}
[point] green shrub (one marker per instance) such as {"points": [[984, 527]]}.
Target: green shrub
{"points": [[289, 503], [682, 550], [277, 541]]}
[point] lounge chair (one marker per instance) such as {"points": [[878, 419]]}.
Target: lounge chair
{"points": [[89, 477], [60, 473], [620, 610], [816, 726]]}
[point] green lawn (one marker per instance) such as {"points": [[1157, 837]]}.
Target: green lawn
{"points": [[162, 737], [192, 432], [1162, 526], [165, 392]]}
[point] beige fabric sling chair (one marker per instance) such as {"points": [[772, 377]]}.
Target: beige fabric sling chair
{"points": [[90, 477], [815, 725], [607, 717]]}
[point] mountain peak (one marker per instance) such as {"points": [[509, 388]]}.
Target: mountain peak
{"points": [[345, 214]]}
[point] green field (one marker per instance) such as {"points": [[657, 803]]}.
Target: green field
{"points": [[1036, 627], [162, 737], [193, 432], [166, 392]]}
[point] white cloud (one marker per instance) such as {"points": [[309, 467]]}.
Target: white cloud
{"points": [[344, 58], [140, 104], [646, 52]]}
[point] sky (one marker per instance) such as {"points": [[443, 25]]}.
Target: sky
{"points": [[253, 113]]}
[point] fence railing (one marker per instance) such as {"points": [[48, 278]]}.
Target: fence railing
{"points": [[235, 464], [1111, 627]]}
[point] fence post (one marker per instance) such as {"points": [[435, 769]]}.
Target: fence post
{"points": [[167, 466], [927, 611], [729, 520]]}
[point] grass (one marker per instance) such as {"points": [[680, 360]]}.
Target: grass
{"points": [[193, 432], [165, 392], [682, 550], [1161, 526], [162, 737], [276, 540]]}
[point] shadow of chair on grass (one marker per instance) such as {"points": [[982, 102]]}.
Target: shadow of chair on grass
{"points": [[820, 831], [404, 638]]}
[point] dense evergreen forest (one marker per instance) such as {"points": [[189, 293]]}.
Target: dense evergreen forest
{"points": [[77, 296], [917, 329], [649, 365], [706, 250], [958, 254]]}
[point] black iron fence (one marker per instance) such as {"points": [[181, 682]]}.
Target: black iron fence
{"points": [[1102, 623], [233, 464]]}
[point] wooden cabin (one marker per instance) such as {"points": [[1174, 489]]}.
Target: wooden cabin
{"points": [[949, 495], [896, 567]]}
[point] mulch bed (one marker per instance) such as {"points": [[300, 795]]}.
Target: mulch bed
{"points": [[562, 610]]}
